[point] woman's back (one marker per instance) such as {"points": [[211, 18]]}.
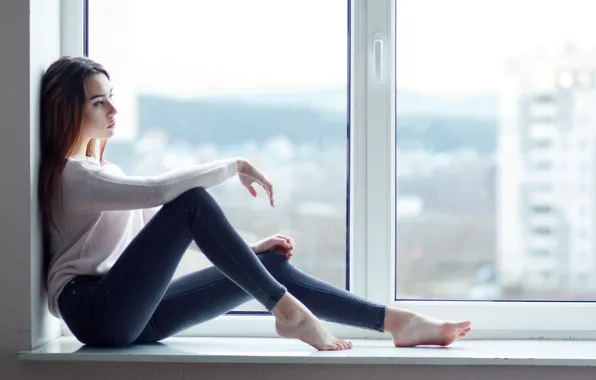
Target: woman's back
{"points": [[86, 240]]}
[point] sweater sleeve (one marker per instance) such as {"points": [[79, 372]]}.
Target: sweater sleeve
{"points": [[106, 189]]}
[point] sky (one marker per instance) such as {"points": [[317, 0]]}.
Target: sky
{"points": [[198, 47]]}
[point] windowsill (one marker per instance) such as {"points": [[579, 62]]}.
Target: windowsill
{"points": [[282, 351]]}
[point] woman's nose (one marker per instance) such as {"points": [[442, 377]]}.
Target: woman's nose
{"points": [[113, 109]]}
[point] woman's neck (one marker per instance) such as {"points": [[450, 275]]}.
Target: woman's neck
{"points": [[81, 150]]}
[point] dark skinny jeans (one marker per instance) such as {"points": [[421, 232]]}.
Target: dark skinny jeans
{"points": [[138, 301]]}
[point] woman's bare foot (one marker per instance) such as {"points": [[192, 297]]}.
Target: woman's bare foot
{"points": [[294, 320], [410, 329]]}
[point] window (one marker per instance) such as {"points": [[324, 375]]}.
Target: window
{"points": [[409, 122], [263, 88], [541, 253], [565, 79], [542, 143], [479, 92], [541, 209], [543, 99], [540, 165], [585, 78], [545, 231]]}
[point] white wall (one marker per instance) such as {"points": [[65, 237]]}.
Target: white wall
{"points": [[44, 29], [20, 71]]}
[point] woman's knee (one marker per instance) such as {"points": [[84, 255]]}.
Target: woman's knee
{"points": [[275, 262], [196, 195]]}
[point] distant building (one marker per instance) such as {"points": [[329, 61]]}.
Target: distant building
{"points": [[546, 193]]}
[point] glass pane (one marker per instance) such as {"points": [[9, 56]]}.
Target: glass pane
{"points": [[197, 81], [496, 155]]}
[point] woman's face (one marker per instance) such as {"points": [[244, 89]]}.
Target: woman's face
{"points": [[99, 110]]}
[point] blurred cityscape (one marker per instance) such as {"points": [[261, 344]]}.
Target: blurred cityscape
{"points": [[496, 190], [300, 147], [546, 206]]}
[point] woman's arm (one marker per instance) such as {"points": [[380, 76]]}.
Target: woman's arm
{"points": [[107, 189]]}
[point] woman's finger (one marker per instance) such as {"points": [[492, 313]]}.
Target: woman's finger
{"points": [[268, 186], [252, 190], [269, 194], [284, 248], [278, 242], [287, 239]]}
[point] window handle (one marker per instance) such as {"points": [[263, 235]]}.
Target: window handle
{"points": [[378, 46]]}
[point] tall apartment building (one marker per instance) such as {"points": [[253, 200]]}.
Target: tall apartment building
{"points": [[546, 196]]}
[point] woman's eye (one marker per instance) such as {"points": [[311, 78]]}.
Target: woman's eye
{"points": [[98, 103]]}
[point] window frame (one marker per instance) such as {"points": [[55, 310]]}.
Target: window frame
{"points": [[372, 206]]}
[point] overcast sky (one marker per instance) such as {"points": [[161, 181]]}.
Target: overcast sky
{"points": [[194, 47]]}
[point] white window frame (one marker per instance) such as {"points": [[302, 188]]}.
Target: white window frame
{"points": [[372, 202]]}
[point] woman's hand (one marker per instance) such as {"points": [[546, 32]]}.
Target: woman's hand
{"points": [[249, 174], [277, 243]]}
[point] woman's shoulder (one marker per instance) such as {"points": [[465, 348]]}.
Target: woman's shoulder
{"points": [[88, 167]]}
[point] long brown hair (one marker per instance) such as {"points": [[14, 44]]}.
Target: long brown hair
{"points": [[62, 102]]}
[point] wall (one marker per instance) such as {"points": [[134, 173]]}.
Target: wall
{"points": [[20, 71]]}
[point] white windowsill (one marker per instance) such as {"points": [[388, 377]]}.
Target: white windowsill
{"points": [[282, 351]]}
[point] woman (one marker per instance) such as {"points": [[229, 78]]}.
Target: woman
{"points": [[111, 263]]}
